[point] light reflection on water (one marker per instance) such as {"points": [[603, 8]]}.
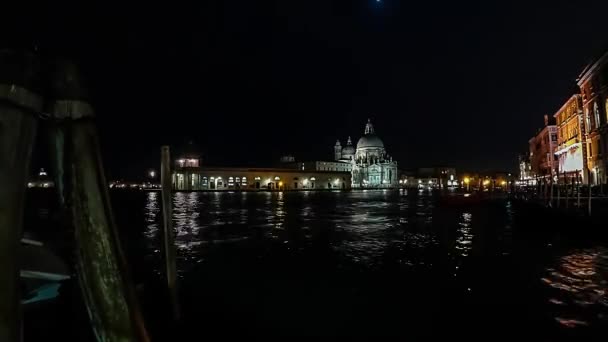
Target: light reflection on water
{"points": [[464, 242], [368, 223], [369, 230], [186, 213], [579, 281], [151, 215]]}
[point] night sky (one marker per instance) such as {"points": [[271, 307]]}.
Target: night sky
{"points": [[460, 84]]}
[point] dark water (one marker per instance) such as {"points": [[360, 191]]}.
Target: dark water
{"points": [[369, 263]]}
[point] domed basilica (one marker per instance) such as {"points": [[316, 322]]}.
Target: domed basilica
{"points": [[372, 167]]}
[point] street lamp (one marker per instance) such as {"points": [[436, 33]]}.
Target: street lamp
{"points": [[152, 174], [467, 180]]}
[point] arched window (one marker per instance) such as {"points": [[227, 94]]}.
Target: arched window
{"points": [[596, 113]]}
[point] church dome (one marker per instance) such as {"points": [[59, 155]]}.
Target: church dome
{"points": [[370, 141], [348, 150]]}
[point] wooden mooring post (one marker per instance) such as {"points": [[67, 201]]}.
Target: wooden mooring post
{"points": [[545, 191], [169, 240], [567, 190], [551, 194], [558, 192], [101, 266], [589, 192], [579, 180], [19, 107]]}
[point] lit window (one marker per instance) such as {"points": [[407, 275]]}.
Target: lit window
{"points": [[277, 178], [312, 178], [231, 179], [257, 178], [244, 179]]}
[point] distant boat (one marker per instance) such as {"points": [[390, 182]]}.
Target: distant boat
{"points": [[461, 199]]}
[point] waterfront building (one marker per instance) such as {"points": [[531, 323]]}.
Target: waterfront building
{"points": [[369, 164], [189, 175], [372, 167], [571, 152], [322, 165], [593, 84], [542, 150], [525, 168], [438, 177], [42, 180]]}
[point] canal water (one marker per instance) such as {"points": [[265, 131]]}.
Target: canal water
{"points": [[367, 263]]}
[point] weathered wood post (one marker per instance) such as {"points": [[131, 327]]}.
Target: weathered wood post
{"points": [[169, 241], [589, 192], [56, 135], [567, 189], [579, 180], [551, 194], [102, 271], [558, 192], [19, 106]]}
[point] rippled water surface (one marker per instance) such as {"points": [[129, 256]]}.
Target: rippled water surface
{"points": [[368, 263]]}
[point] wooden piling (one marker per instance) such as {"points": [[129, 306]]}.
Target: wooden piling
{"points": [[589, 193], [558, 192], [56, 135], [567, 190], [169, 241], [579, 180], [551, 194], [101, 266], [19, 106]]}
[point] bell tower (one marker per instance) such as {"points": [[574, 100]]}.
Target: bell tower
{"points": [[338, 150]]}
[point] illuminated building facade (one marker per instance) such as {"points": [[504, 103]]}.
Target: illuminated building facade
{"points": [[437, 177], [188, 175], [571, 150], [525, 168], [320, 165], [41, 181], [371, 166], [593, 83], [542, 150]]}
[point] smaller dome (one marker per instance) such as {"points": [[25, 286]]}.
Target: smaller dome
{"points": [[348, 150]]}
